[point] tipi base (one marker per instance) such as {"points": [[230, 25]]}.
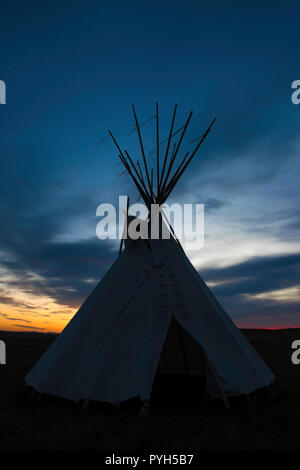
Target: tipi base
{"points": [[218, 383], [145, 408]]}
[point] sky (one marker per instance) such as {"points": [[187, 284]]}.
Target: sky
{"points": [[72, 70]]}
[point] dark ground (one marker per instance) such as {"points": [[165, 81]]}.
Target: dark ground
{"points": [[181, 422]]}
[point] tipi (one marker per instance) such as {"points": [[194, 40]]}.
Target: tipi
{"points": [[111, 348]]}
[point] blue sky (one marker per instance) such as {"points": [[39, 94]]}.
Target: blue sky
{"points": [[72, 70]]}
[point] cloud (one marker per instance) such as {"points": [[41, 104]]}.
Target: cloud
{"points": [[18, 319], [5, 299], [62, 271], [257, 275], [29, 327], [212, 204], [261, 289]]}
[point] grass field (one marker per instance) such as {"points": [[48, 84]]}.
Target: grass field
{"points": [[178, 418]]}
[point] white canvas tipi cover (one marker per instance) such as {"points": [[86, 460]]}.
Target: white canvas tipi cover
{"points": [[111, 348]]}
